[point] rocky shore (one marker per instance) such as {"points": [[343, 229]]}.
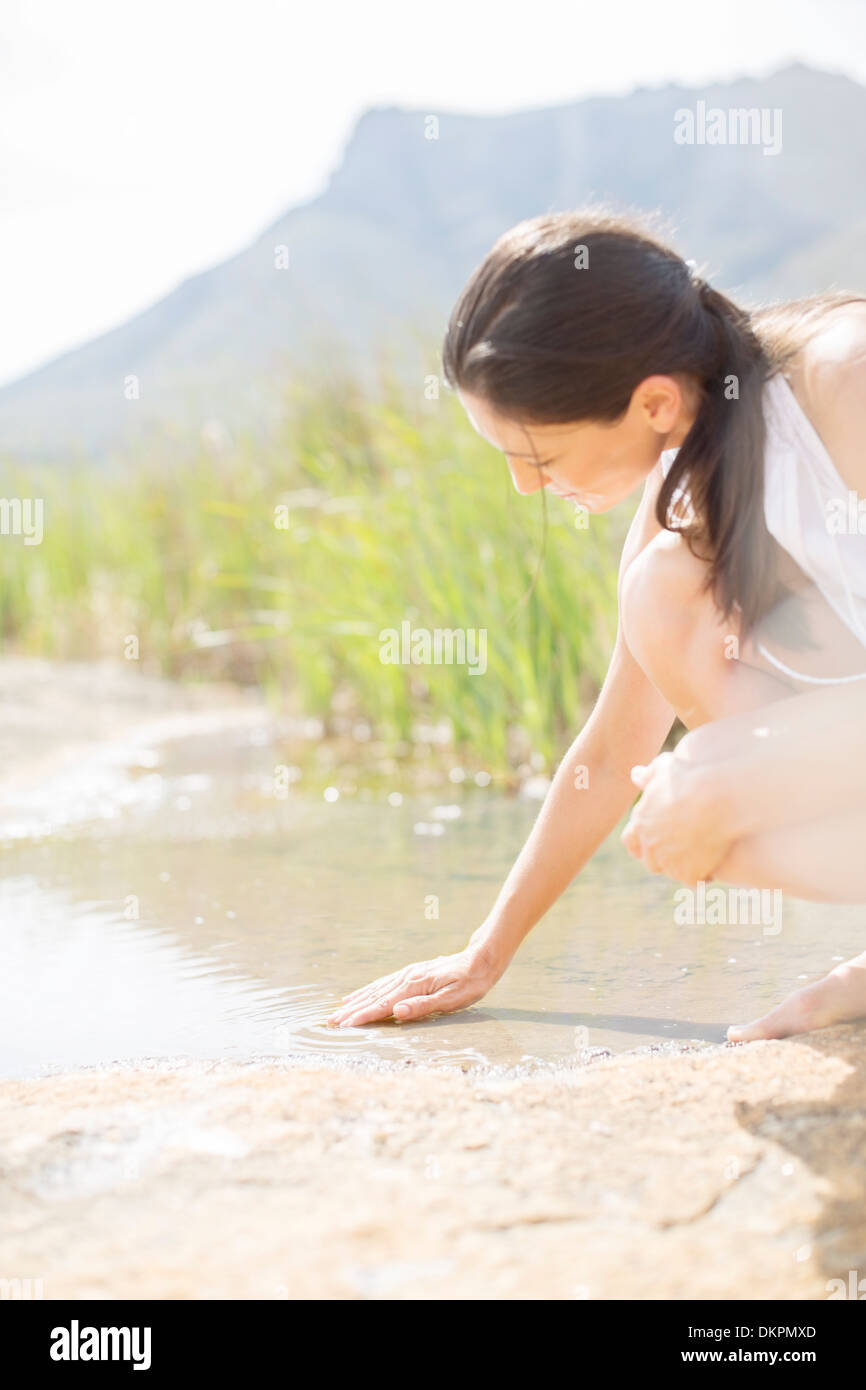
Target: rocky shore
{"points": [[725, 1173]]}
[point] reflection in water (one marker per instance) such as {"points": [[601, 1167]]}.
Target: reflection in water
{"points": [[207, 919]]}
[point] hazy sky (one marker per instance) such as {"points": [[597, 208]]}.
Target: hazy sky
{"points": [[140, 143]]}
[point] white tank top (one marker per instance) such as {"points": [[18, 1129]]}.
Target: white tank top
{"points": [[811, 513]]}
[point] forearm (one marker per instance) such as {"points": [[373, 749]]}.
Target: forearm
{"points": [[802, 758], [592, 788], [589, 794]]}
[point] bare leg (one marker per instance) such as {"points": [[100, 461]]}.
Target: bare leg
{"points": [[821, 860], [698, 663]]}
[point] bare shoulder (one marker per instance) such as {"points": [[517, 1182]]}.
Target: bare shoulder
{"points": [[830, 383], [644, 525]]}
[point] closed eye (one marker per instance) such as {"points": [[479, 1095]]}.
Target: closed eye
{"points": [[533, 462]]}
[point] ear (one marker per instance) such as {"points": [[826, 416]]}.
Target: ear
{"points": [[660, 402]]}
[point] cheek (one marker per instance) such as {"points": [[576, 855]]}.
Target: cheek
{"points": [[590, 464], [583, 465], [617, 460]]}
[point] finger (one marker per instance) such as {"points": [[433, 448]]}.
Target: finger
{"points": [[631, 839], [370, 1013], [373, 1010], [650, 855], [433, 996], [375, 986], [640, 775], [350, 1003], [424, 1004], [639, 849], [349, 1010]]}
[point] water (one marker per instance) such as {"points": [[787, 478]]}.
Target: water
{"points": [[178, 910]]}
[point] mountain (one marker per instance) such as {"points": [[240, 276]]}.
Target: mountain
{"points": [[379, 257]]}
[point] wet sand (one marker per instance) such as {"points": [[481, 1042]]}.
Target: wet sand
{"points": [[69, 729], [729, 1173]]}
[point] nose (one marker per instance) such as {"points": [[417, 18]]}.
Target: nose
{"points": [[525, 477]]}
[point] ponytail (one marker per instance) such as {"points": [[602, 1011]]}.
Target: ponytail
{"points": [[727, 526]]}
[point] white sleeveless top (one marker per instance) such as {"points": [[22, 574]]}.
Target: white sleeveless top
{"points": [[810, 512]]}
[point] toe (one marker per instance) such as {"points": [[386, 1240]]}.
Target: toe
{"points": [[751, 1032], [799, 1014]]}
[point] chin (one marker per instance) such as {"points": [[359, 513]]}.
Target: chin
{"points": [[606, 504], [598, 504]]}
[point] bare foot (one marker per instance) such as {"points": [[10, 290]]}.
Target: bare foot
{"points": [[838, 998]]}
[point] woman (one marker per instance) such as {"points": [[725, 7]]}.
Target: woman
{"points": [[589, 353]]}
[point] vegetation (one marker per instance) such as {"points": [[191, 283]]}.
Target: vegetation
{"points": [[281, 563]]}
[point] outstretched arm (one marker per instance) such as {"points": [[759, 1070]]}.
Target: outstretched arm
{"points": [[589, 794]]}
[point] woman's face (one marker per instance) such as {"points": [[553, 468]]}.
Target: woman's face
{"points": [[592, 463]]}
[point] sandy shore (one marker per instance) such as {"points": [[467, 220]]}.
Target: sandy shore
{"points": [[55, 716], [732, 1173]]}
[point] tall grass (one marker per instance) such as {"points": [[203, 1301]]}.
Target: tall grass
{"points": [[396, 509]]}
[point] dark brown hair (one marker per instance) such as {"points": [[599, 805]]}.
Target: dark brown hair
{"points": [[570, 311]]}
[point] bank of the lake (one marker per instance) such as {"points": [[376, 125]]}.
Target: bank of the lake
{"points": [[731, 1173]]}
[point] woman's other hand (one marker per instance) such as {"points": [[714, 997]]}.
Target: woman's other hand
{"points": [[675, 828]]}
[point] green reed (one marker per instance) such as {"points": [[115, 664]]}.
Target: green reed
{"points": [[396, 510]]}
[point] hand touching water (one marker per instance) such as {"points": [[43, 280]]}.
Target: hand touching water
{"points": [[430, 986], [676, 828]]}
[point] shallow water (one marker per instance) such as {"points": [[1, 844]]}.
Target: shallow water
{"points": [[177, 909]]}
